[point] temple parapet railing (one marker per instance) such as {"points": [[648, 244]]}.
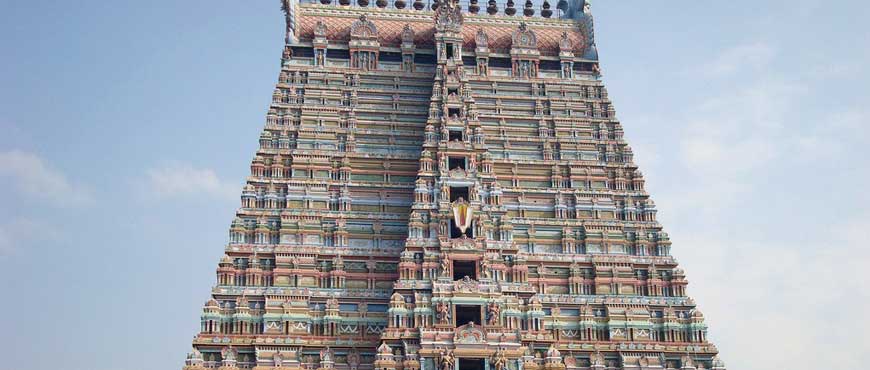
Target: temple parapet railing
{"points": [[317, 250], [550, 9], [308, 292], [284, 340], [609, 300]]}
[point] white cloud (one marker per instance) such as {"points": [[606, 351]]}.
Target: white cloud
{"points": [[31, 176], [741, 131], [765, 299], [179, 179], [770, 285]]}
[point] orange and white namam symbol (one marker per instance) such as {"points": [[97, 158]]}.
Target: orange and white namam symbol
{"points": [[462, 214]]}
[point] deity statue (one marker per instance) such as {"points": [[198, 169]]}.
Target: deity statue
{"points": [[326, 355], [353, 359], [321, 54], [499, 361], [687, 361], [596, 359], [443, 312], [552, 352], [643, 361], [445, 265], [493, 312], [384, 349], [447, 360], [484, 269], [277, 358], [444, 227], [228, 354]]}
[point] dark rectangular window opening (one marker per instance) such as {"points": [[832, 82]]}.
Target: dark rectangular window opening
{"points": [[465, 315], [337, 54], [449, 51], [500, 62], [424, 59], [453, 113], [457, 192], [550, 65], [462, 269], [302, 52], [454, 163], [452, 91], [471, 364], [469, 61], [454, 136], [583, 67], [389, 56]]}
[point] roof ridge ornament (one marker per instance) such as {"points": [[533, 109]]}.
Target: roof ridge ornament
{"points": [[481, 39], [448, 17], [320, 29], [363, 28], [407, 33], [524, 37]]}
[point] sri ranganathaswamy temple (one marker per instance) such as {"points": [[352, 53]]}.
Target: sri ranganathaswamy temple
{"points": [[445, 186]]}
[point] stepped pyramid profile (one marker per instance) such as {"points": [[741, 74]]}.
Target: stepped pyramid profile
{"points": [[445, 186]]}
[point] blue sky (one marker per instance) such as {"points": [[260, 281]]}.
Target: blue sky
{"points": [[127, 128]]}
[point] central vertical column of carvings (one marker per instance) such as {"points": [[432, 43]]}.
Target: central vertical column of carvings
{"points": [[448, 306]]}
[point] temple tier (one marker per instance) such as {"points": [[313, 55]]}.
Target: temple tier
{"points": [[445, 186]]}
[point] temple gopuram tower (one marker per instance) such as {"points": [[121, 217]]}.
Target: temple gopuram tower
{"points": [[444, 185]]}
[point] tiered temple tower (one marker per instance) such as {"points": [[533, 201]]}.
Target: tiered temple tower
{"points": [[445, 186]]}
